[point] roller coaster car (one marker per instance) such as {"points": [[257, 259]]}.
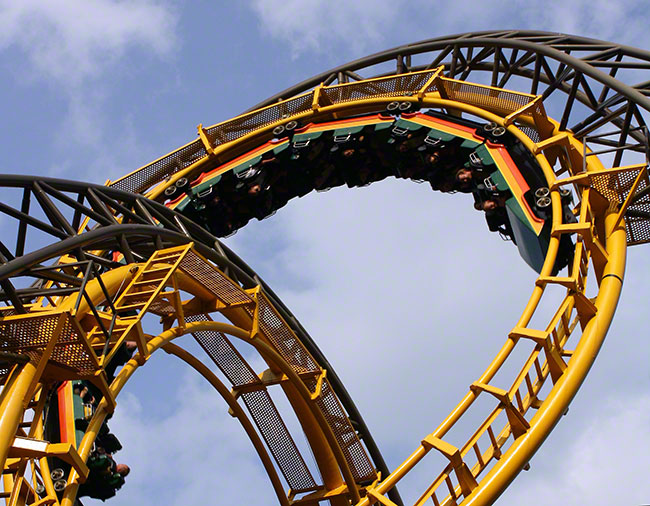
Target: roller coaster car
{"points": [[66, 421], [65, 415], [430, 146], [505, 168]]}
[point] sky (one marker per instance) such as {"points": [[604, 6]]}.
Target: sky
{"points": [[405, 291]]}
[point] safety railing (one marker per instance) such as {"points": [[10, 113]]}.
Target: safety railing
{"points": [[496, 100]]}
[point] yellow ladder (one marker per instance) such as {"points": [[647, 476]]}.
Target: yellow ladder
{"points": [[146, 287]]}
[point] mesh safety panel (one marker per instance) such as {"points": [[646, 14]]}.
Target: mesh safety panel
{"points": [[387, 87], [293, 351], [32, 334], [282, 337], [280, 443], [162, 168], [247, 123], [498, 101], [5, 368], [69, 349], [224, 355], [616, 187], [161, 307], [259, 405], [213, 279], [531, 132], [4, 372], [638, 228], [355, 454], [75, 356], [27, 333]]}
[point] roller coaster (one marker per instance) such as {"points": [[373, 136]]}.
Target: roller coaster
{"points": [[103, 276]]}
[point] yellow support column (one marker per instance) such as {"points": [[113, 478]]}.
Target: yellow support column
{"points": [[12, 405]]}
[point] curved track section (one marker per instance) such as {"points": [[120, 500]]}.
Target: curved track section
{"points": [[115, 255]]}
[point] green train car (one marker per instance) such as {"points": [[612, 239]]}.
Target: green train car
{"points": [[452, 154]]}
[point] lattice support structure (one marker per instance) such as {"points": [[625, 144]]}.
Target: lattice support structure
{"points": [[123, 255]]}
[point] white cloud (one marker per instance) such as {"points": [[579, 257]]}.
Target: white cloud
{"points": [[321, 24], [605, 464], [410, 297], [195, 453], [395, 283], [350, 28], [70, 47], [69, 41]]}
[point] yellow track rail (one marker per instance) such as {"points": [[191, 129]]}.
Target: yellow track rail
{"points": [[505, 436]]}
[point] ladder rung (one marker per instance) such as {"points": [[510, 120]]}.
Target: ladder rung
{"points": [[100, 332], [138, 294], [175, 257], [171, 250], [129, 307], [148, 281], [157, 269]]}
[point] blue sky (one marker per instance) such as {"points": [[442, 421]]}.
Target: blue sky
{"points": [[93, 89]]}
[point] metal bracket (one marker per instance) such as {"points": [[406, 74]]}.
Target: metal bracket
{"points": [[556, 363], [436, 80], [518, 424], [24, 447], [204, 139], [466, 479]]}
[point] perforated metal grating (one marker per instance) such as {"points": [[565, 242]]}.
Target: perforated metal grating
{"points": [[500, 102], [616, 187], [280, 443], [282, 337], [4, 372], [22, 334], [355, 454], [31, 334], [386, 87], [292, 350], [161, 307], [73, 355], [260, 406], [213, 279], [242, 125], [162, 168], [531, 132], [224, 355]]}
